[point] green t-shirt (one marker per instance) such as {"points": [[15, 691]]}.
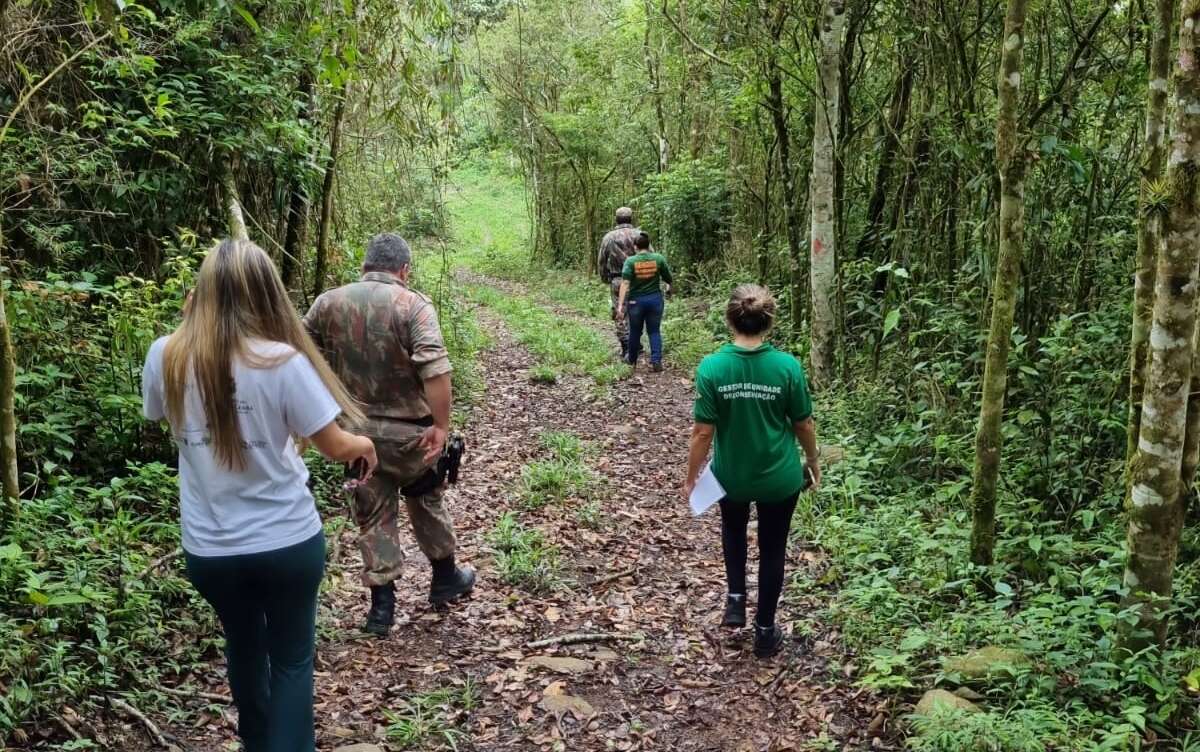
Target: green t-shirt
{"points": [[644, 271], [753, 397]]}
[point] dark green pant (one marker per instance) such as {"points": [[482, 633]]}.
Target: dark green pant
{"points": [[267, 604]]}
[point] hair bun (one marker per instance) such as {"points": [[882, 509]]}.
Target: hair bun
{"points": [[751, 309]]}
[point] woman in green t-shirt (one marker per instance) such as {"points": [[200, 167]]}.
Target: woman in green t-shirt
{"points": [[754, 400]]}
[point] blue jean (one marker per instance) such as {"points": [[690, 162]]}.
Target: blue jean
{"points": [[645, 312], [267, 604]]}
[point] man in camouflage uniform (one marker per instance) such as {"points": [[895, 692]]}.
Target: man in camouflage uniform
{"points": [[615, 247], [383, 340]]}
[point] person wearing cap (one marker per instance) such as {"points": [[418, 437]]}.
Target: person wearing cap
{"points": [[616, 246], [383, 339]]}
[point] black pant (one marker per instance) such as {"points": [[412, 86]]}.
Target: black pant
{"points": [[267, 604], [774, 521]]}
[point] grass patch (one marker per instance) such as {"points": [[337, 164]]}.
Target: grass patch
{"points": [[546, 482], [523, 557], [562, 445], [543, 374], [431, 720], [589, 515], [561, 476], [560, 344], [465, 339], [489, 221]]}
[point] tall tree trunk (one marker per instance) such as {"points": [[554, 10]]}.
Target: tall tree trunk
{"points": [[823, 250], [1150, 220], [652, 73], [233, 204], [297, 209], [9, 479], [1010, 163], [1155, 476], [327, 185], [893, 125], [790, 209]]}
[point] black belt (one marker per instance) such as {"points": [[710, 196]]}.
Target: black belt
{"points": [[425, 422]]}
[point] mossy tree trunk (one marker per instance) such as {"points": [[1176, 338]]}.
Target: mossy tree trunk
{"points": [[9, 480], [824, 240], [1154, 154], [235, 218], [1010, 164], [1157, 485]]}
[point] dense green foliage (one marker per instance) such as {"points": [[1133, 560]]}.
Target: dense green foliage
{"points": [[111, 186]]}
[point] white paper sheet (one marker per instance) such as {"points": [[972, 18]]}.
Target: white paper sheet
{"points": [[707, 492]]}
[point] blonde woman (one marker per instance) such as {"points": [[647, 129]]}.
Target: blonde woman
{"points": [[238, 381]]}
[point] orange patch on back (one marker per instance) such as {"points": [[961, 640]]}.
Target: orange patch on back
{"points": [[645, 269]]}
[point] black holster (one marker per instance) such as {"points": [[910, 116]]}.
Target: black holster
{"points": [[444, 471]]}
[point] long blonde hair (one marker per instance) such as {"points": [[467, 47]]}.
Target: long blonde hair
{"points": [[238, 296]]}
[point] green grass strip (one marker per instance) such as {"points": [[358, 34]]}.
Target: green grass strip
{"points": [[565, 345]]}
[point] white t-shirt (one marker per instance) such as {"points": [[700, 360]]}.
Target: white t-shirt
{"points": [[268, 505]]}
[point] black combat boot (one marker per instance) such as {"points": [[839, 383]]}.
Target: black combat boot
{"points": [[767, 640], [656, 367], [450, 582], [382, 615], [735, 610]]}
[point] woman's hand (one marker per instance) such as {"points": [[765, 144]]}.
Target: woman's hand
{"points": [[342, 446], [364, 450]]}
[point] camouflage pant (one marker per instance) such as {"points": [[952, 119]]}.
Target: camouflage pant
{"points": [[377, 507], [621, 322]]}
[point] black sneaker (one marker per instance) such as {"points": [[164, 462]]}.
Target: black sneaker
{"points": [[656, 367], [382, 615], [450, 583], [767, 641], [735, 611]]}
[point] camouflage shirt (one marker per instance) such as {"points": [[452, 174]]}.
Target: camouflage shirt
{"points": [[383, 340], [616, 246]]}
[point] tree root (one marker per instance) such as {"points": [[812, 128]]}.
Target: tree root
{"points": [[614, 576], [576, 638], [212, 696], [160, 738], [159, 562], [62, 722]]}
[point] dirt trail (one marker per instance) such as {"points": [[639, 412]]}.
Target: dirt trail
{"points": [[687, 685]]}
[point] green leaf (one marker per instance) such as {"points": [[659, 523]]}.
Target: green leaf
{"points": [[1192, 680], [890, 321], [67, 599], [38, 598], [11, 551], [1003, 588], [248, 18]]}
